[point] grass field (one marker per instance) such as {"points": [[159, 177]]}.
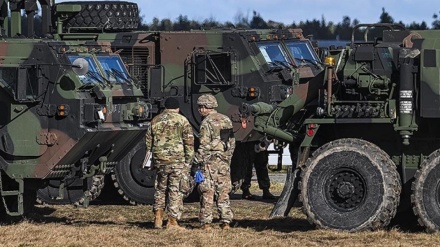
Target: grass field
{"points": [[123, 225]]}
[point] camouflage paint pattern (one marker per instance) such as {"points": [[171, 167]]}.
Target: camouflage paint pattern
{"points": [[50, 122], [231, 65], [216, 156], [384, 90], [225, 63]]}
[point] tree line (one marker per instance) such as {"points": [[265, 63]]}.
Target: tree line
{"points": [[319, 29]]}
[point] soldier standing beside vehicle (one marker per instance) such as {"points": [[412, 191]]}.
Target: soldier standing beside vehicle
{"points": [[259, 161], [217, 145], [171, 141]]}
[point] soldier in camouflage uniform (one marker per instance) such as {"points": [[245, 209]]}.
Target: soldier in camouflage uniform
{"points": [[171, 141], [217, 144]]}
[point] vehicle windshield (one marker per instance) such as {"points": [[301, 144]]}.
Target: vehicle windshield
{"points": [[302, 52], [92, 76], [114, 69], [273, 54]]}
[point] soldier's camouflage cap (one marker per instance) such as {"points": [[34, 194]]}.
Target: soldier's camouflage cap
{"points": [[207, 100]]}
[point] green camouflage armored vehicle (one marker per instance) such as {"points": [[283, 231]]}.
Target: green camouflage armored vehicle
{"points": [[70, 110], [234, 65], [366, 132]]}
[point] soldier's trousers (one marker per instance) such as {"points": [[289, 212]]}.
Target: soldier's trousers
{"points": [[167, 188], [217, 185], [259, 161]]}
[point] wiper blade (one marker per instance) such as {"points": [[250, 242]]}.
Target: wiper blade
{"points": [[124, 77], [99, 78], [316, 63]]}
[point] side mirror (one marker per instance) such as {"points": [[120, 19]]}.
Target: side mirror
{"points": [[80, 66]]}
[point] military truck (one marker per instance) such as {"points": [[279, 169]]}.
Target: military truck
{"points": [[233, 65], [70, 110], [365, 130]]}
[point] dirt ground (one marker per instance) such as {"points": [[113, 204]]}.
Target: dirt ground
{"points": [[118, 224]]}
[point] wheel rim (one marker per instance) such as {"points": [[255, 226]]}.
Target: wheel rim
{"points": [[345, 189], [141, 175]]}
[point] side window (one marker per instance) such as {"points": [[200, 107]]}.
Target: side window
{"points": [[302, 52], [213, 69], [8, 77], [273, 53], [21, 83]]}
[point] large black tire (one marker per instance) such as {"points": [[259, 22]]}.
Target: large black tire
{"points": [[134, 183], [73, 193], [107, 15], [350, 185], [425, 196]]}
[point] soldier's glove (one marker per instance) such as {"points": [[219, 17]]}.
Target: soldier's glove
{"points": [[198, 177]]}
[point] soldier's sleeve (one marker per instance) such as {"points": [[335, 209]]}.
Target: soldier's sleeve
{"points": [[188, 142], [231, 141], [231, 146], [149, 138], [205, 139]]}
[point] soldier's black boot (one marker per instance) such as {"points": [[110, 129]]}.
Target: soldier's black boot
{"points": [[267, 195], [247, 194]]}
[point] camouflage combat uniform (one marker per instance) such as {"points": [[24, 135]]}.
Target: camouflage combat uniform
{"points": [[171, 141], [216, 155]]}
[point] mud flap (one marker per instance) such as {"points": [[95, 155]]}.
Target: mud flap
{"points": [[289, 195]]}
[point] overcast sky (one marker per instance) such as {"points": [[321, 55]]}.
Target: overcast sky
{"points": [[289, 11]]}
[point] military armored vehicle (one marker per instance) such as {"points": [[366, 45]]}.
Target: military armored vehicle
{"points": [[233, 65], [365, 130], [70, 110]]}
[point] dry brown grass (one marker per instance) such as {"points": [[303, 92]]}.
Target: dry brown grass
{"points": [[123, 225]]}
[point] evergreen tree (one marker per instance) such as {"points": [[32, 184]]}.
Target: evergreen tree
{"points": [[344, 29], [436, 22], [142, 24], [211, 23], [257, 22], [166, 25], [154, 26], [385, 17], [319, 29], [182, 23], [241, 21], [417, 26]]}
